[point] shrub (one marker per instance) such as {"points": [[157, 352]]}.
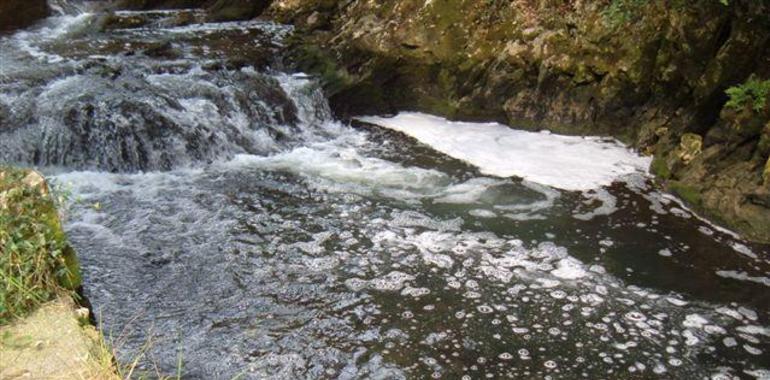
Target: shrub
{"points": [[753, 93]]}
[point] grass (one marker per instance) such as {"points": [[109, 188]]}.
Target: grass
{"points": [[36, 262], [107, 354]]}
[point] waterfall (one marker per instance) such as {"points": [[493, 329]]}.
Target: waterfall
{"points": [[90, 108]]}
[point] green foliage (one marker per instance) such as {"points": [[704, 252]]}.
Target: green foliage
{"points": [[619, 12], [689, 194], [36, 263], [753, 93], [659, 167]]}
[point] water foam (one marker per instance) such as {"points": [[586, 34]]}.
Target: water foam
{"points": [[565, 162]]}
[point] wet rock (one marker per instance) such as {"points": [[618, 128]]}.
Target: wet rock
{"points": [[161, 4], [113, 21], [218, 10], [163, 50], [15, 14], [123, 123]]}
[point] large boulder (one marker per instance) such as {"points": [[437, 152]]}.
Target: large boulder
{"points": [[15, 14]]}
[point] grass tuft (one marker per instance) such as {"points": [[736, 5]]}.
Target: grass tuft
{"points": [[36, 262]]}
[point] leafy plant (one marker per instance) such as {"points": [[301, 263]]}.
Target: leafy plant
{"points": [[36, 262], [619, 12], [753, 93]]}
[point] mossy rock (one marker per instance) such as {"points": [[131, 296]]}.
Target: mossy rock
{"points": [[689, 193], [659, 168], [36, 258], [690, 147]]}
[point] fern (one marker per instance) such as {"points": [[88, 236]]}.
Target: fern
{"points": [[753, 93]]}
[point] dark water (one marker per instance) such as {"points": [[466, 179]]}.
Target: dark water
{"points": [[224, 218]]}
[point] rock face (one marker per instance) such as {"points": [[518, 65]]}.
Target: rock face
{"points": [[651, 73], [15, 14]]}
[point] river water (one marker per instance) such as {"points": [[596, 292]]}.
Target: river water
{"points": [[226, 221]]}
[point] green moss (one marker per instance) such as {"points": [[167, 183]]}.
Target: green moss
{"points": [[36, 261], [660, 168], [311, 59], [688, 193]]}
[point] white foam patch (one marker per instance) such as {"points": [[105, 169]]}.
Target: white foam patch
{"points": [[743, 276], [349, 169], [565, 162]]}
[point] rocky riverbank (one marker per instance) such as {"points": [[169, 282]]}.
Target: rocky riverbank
{"points": [[43, 332], [651, 73]]}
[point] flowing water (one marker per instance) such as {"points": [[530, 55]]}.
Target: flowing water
{"points": [[224, 219]]}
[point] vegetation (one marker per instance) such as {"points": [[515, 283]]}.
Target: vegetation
{"points": [[36, 262], [753, 93], [619, 12]]}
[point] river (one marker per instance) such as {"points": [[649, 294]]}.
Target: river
{"points": [[226, 221]]}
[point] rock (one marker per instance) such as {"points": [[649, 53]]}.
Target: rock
{"points": [[161, 4], [60, 347], [15, 14], [218, 10], [689, 147], [163, 50], [233, 10], [36, 180]]}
